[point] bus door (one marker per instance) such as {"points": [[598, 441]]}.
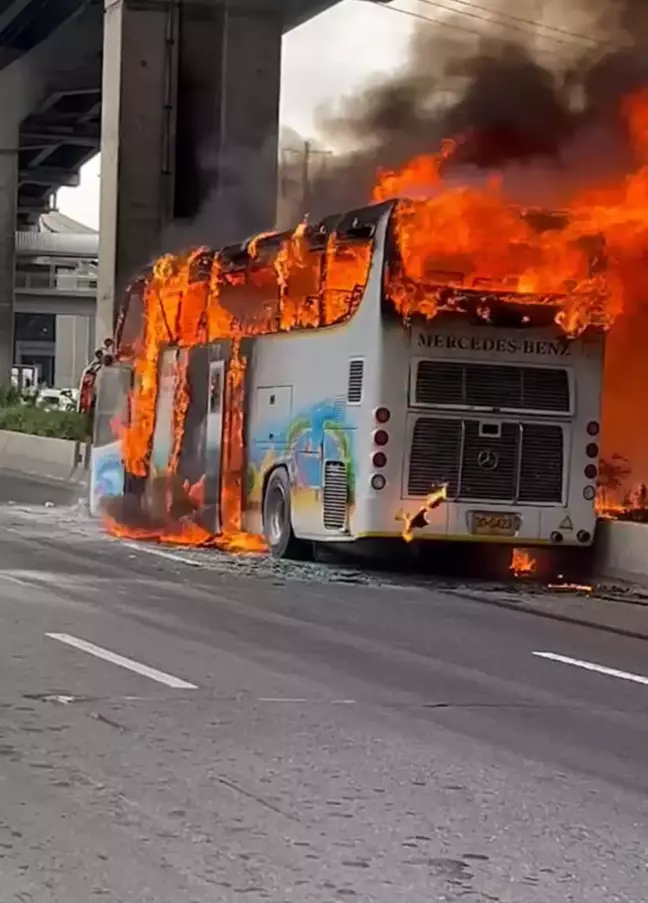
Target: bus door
{"points": [[113, 387], [163, 434], [214, 444]]}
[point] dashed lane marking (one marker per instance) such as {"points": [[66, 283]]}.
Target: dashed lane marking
{"points": [[152, 673], [163, 553], [591, 666]]}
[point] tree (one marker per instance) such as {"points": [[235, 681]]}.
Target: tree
{"points": [[613, 472]]}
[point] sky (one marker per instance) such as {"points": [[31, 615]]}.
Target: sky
{"points": [[329, 57]]}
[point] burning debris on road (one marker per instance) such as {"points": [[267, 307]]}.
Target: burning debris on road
{"points": [[522, 564]]}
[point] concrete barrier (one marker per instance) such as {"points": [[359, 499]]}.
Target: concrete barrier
{"points": [[58, 459], [622, 551]]}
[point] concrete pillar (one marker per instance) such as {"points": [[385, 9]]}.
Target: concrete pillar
{"points": [[229, 71], [8, 198], [72, 339], [189, 131], [136, 144]]}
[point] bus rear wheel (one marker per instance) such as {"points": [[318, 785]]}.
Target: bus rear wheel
{"points": [[277, 520]]}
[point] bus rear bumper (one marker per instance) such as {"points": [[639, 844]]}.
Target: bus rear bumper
{"points": [[491, 523]]}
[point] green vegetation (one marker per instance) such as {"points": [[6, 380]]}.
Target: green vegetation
{"points": [[22, 415], [42, 422], [9, 396]]}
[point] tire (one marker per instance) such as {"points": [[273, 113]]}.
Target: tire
{"points": [[277, 520]]}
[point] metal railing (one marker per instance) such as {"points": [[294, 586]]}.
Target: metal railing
{"points": [[66, 283]]}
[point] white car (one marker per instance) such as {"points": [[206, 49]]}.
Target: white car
{"points": [[59, 399]]}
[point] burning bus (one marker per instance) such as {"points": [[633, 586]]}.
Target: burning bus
{"points": [[347, 381]]}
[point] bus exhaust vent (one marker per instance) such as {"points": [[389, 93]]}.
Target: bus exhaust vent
{"points": [[492, 386], [356, 375], [335, 495], [522, 463]]}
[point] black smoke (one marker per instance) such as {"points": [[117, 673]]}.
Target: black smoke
{"points": [[546, 111]]}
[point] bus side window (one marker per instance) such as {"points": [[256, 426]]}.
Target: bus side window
{"points": [[345, 277]]}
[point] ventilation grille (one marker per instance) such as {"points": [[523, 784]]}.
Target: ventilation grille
{"points": [[492, 386], [435, 455], [356, 374], [541, 473], [523, 464], [335, 495]]}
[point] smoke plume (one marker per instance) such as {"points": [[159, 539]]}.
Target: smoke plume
{"points": [[545, 112], [534, 101]]}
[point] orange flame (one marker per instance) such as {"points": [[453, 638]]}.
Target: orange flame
{"points": [[570, 587], [588, 270], [522, 564], [419, 519]]}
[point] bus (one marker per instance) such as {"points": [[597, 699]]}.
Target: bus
{"points": [[359, 417]]}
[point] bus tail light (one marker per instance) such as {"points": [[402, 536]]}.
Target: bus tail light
{"points": [[591, 471], [378, 481], [379, 459], [381, 437], [589, 493], [382, 415], [592, 450], [583, 536], [593, 428]]}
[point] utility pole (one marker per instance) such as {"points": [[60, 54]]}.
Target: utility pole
{"points": [[307, 153], [306, 177]]}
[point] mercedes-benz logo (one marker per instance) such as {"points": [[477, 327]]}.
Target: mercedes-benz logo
{"points": [[488, 459]]}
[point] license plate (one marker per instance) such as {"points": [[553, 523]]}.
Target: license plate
{"points": [[487, 523]]}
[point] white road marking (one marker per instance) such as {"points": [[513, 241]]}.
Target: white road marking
{"points": [[591, 666], [123, 662], [27, 578], [299, 700], [163, 553], [277, 699]]}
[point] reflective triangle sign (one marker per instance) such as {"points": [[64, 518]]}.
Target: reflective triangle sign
{"points": [[566, 523]]}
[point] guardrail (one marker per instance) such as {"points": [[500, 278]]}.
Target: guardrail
{"points": [[622, 551], [41, 456], [66, 283]]}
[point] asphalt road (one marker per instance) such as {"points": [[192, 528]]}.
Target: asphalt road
{"points": [[302, 737]]}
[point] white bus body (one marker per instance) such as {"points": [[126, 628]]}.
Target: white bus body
{"points": [[507, 418]]}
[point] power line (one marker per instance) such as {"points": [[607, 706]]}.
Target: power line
{"points": [[455, 26], [506, 25], [561, 31]]}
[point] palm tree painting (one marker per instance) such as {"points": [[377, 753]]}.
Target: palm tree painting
{"points": [[315, 434], [296, 441]]}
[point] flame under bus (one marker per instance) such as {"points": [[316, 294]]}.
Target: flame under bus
{"points": [[359, 407]]}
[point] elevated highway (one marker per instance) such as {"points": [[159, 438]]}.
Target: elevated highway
{"points": [[57, 45], [180, 96]]}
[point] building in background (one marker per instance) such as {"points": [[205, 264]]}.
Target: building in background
{"points": [[55, 298]]}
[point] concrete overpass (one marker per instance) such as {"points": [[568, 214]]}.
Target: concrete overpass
{"points": [[56, 273], [180, 96], [55, 298]]}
